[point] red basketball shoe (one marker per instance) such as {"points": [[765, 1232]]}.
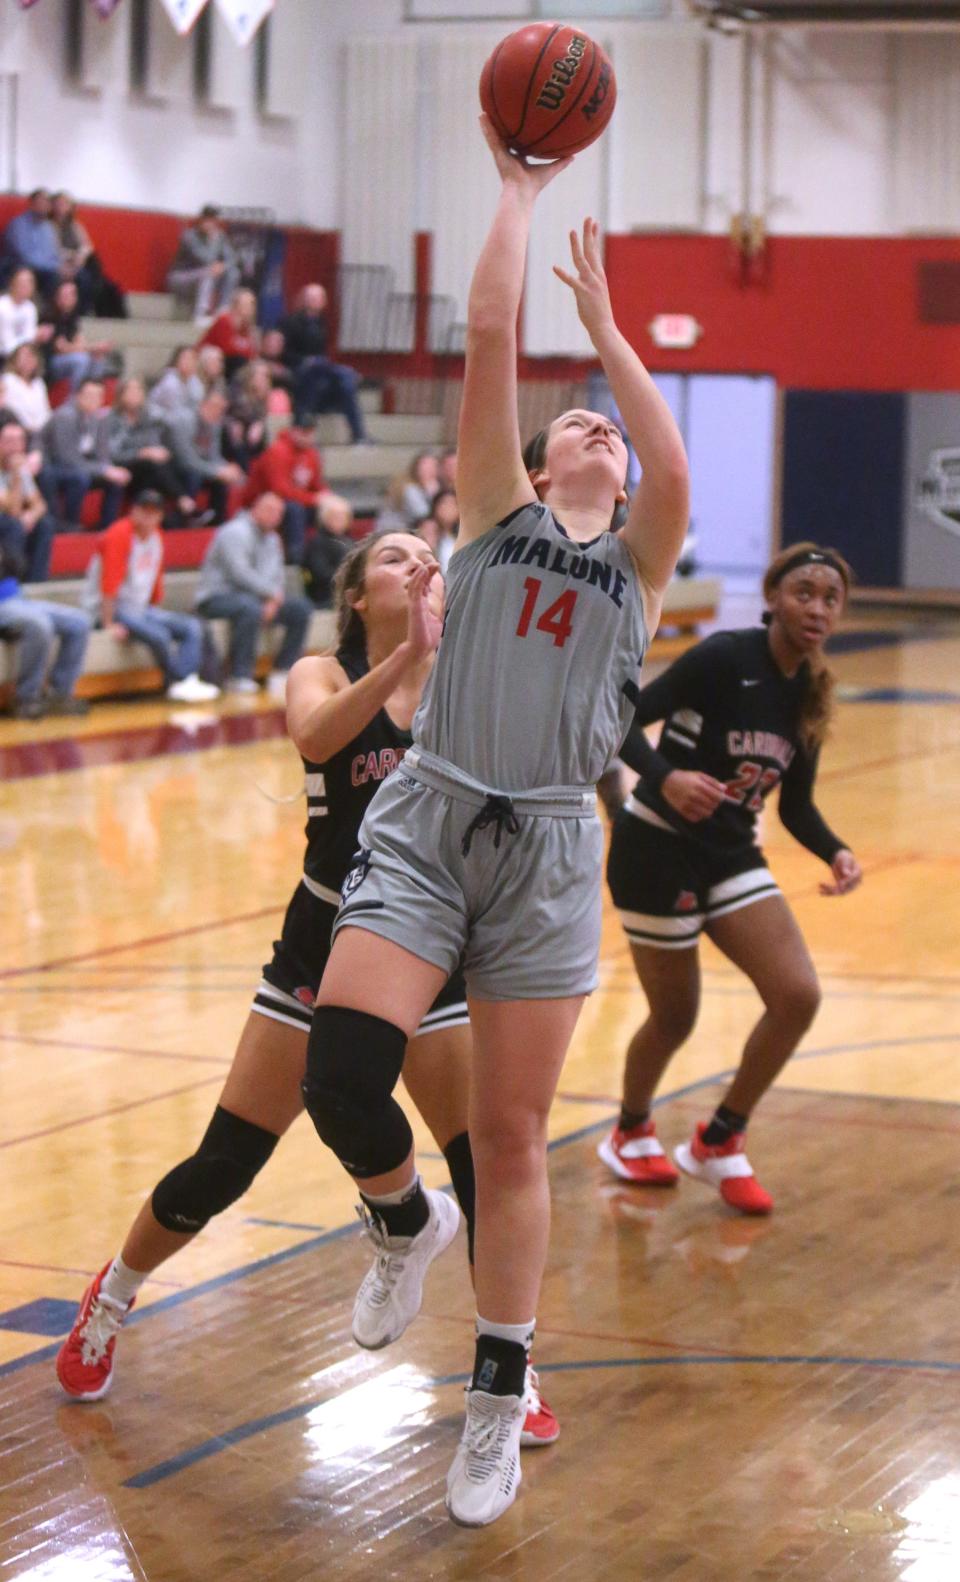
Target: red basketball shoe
{"points": [[726, 1167], [540, 1427], [636, 1155], [85, 1360]]}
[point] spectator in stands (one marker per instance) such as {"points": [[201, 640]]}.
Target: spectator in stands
{"points": [[210, 367], [272, 350], [320, 385], [441, 527], [235, 332], [24, 392], [447, 470], [197, 440], [245, 432], [69, 354], [179, 388], [130, 578], [80, 262], [242, 579], [329, 545], [291, 467], [205, 272], [139, 441], [19, 321], [76, 457], [25, 524], [52, 643], [410, 494], [30, 241]]}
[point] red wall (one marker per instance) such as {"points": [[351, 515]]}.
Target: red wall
{"points": [[830, 313], [136, 246], [826, 313]]}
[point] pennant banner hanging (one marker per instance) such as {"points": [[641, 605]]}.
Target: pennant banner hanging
{"points": [[243, 17], [104, 8], [183, 13], [26, 4]]}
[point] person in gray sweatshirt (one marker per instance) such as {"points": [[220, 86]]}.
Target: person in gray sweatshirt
{"points": [[243, 580], [76, 457], [196, 439]]}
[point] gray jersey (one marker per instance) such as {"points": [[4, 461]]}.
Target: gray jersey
{"points": [[540, 636]]}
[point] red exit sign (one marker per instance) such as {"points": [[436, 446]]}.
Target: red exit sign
{"points": [[675, 331]]}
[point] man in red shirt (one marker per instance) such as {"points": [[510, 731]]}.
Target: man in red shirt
{"points": [[291, 467], [131, 597], [235, 331]]}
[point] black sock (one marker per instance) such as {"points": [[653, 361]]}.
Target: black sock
{"points": [[402, 1219], [631, 1118], [460, 1164], [724, 1125], [500, 1367]]}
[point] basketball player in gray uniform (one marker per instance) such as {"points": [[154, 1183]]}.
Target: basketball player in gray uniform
{"points": [[485, 845]]}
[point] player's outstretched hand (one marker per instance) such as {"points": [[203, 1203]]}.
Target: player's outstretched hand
{"points": [[424, 610], [589, 284], [514, 168], [847, 873], [691, 794]]}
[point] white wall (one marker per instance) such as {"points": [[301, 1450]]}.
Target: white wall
{"points": [[851, 133], [107, 144]]}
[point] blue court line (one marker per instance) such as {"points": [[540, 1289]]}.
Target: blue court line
{"points": [[896, 695], [261, 1425], [218, 1282], [282, 1224]]}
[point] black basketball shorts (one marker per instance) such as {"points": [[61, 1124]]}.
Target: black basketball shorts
{"points": [[291, 979], [667, 888]]}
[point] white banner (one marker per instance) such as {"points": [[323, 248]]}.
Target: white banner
{"points": [[183, 13], [243, 17]]}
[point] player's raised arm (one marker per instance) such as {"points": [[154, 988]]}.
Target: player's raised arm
{"points": [[491, 478], [657, 520]]}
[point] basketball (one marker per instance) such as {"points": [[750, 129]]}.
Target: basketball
{"points": [[548, 89]]}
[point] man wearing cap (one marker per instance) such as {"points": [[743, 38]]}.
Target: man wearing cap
{"points": [[131, 600]]}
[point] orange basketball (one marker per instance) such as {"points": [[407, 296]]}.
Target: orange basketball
{"points": [[548, 89]]}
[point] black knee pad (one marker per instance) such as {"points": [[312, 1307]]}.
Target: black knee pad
{"points": [[221, 1171], [353, 1064]]}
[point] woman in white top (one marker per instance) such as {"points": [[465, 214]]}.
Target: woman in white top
{"points": [[18, 313], [24, 392]]}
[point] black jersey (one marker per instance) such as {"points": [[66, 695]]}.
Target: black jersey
{"points": [[340, 790], [730, 712]]}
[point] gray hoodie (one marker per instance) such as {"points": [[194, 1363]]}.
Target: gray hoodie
{"points": [[242, 559]]}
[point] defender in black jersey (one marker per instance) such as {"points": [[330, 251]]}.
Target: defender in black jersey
{"points": [[744, 714], [350, 714]]}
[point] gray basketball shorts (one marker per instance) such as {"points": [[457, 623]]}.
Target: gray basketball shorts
{"points": [[520, 908]]}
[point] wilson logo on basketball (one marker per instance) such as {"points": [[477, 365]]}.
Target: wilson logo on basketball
{"points": [[599, 93], [686, 902], [552, 93]]}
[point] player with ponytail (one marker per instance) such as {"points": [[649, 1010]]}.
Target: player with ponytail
{"points": [[744, 712]]}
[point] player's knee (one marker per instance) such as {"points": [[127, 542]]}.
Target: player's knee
{"points": [[512, 1146], [230, 1156], [674, 1018], [797, 1000], [353, 1065]]}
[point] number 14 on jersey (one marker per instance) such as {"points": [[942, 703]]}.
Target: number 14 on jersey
{"points": [[557, 618]]}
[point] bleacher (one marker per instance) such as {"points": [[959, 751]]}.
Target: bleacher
{"points": [[147, 339]]}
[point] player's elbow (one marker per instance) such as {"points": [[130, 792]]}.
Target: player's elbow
{"points": [[487, 321]]}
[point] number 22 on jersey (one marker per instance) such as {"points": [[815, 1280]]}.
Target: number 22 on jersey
{"points": [[557, 618]]}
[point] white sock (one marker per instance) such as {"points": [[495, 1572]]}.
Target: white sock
{"points": [[400, 1196], [121, 1283], [520, 1334]]}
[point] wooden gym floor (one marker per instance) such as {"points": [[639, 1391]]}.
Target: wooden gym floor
{"points": [[750, 1400]]}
